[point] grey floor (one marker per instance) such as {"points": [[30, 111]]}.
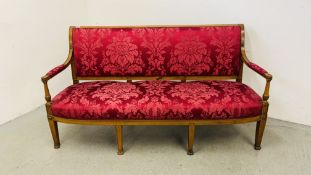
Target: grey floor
{"points": [[26, 148]]}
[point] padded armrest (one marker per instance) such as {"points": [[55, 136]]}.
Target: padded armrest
{"points": [[56, 70], [259, 70], [50, 74]]}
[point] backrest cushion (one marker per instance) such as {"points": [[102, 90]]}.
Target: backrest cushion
{"points": [[157, 51]]}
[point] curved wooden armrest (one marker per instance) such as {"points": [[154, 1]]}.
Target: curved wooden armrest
{"points": [[56, 70], [261, 72], [53, 73]]}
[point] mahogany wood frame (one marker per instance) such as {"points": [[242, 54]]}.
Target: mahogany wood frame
{"points": [[261, 119]]}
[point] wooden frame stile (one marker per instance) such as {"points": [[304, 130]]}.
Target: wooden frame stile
{"points": [[240, 76], [73, 68], [261, 119]]}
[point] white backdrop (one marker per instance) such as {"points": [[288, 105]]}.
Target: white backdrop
{"points": [[34, 39]]}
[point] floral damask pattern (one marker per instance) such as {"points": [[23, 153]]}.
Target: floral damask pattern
{"points": [[154, 102], [87, 45], [114, 94], [76, 103], [225, 45], [190, 56], [154, 51], [157, 100], [194, 92], [156, 41], [122, 56]]}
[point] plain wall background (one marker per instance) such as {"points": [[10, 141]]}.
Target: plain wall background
{"points": [[34, 39]]}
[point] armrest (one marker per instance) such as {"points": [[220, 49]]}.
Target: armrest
{"points": [[56, 70], [258, 69], [261, 72], [255, 67], [50, 74]]}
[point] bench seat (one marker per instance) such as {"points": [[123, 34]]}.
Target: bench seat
{"points": [[188, 75], [157, 100]]}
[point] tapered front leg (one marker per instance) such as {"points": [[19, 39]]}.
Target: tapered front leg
{"points": [[260, 126], [54, 131], [191, 130], [119, 134]]}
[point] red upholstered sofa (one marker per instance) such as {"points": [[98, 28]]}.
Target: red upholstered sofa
{"points": [[182, 77]]}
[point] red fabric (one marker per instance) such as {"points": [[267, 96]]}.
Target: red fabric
{"points": [[151, 51], [256, 68], [157, 100], [56, 70]]}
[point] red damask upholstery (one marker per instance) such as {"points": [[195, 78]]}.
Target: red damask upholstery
{"points": [[157, 100], [56, 70], [154, 51], [256, 68]]}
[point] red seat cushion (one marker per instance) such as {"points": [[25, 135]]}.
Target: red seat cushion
{"points": [[157, 100]]}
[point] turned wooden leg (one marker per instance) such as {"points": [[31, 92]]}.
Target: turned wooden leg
{"points": [[54, 132], [191, 129], [119, 139]]}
